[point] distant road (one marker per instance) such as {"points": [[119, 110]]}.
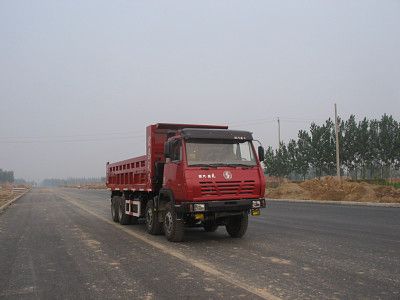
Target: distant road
{"points": [[61, 243]]}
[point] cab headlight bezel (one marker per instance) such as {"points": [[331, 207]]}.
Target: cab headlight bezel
{"points": [[199, 207]]}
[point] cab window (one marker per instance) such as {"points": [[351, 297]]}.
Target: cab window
{"points": [[176, 151]]}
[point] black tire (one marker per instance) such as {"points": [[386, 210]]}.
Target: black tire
{"points": [[114, 208], [237, 225], [124, 219], [210, 227], [152, 225], [174, 229]]}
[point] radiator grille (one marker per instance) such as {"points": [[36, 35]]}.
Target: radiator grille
{"points": [[222, 188]]}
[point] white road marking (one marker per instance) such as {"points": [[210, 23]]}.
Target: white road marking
{"points": [[198, 263]]}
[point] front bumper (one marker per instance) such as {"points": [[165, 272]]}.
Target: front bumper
{"points": [[220, 206]]}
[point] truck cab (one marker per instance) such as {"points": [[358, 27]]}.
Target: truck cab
{"points": [[213, 177]]}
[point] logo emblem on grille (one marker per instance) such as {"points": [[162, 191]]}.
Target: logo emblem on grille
{"points": [[227, 175]]}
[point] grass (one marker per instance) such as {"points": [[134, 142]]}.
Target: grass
{"points": [[394, 184], [382, 182]]}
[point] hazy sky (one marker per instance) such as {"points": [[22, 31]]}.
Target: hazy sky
{"points": [[80, 80]]}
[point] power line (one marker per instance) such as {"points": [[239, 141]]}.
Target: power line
{"points": [[72, 140], [105, 136], [71, 136], [252, 122], [273, 120]]}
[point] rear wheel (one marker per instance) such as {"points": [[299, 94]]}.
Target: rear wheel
{"points": [[124, 219], [114, 208], [237, 225], [173, 228], [152, 224]]}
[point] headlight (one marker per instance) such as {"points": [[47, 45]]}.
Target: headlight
{"points": [[256, 203], [199, 207]]}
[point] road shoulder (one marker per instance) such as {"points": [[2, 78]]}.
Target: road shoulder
{"points": [[330, 202], [7, 204]]}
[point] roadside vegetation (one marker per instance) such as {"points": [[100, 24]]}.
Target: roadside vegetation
{"points": [[328, 188], [10, 191], [369, 162], [6, 194], [6, 176], [369, 149], [85, 182], [11, 187], [394, 182], [76, 182]]}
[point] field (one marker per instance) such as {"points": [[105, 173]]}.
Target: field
{"points": [[328, 188]]}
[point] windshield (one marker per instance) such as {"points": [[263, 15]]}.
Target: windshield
{"points": [[219, 152]]}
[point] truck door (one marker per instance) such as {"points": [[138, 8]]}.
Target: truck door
{"points": [[174, 171]]}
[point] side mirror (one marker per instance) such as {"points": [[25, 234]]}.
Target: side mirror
{"points": [[261, 153], [167, 148]]}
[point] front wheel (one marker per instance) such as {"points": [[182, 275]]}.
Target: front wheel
{"points": [[152, 224], [173, 228], [237, 225]]}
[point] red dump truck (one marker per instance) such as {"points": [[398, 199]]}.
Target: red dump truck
{"points": [[191, 176]]}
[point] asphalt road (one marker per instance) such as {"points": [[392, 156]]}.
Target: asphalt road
{"points": [[61, 243]]}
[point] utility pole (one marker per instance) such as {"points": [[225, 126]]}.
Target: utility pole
{"points": [[279, 133], [337, 145]]}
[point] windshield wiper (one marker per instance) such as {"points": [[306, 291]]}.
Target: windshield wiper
{"points": [[244, 165], [215, 165], [203, 165], [237, 165]]}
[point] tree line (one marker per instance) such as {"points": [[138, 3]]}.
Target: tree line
{"points": [[6, 176], [369, 149], [53, 182]]}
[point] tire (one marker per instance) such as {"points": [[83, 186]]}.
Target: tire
{"points": [[152, 225], [210, 227], [114, 208], [174, 229], [124, 219], [237, 225]]}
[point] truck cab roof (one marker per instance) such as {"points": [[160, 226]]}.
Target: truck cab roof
{"points": [[223, 134]]}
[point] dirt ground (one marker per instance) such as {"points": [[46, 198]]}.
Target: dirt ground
{"points": [[327, 188], [7, 194], [92, 186]]}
